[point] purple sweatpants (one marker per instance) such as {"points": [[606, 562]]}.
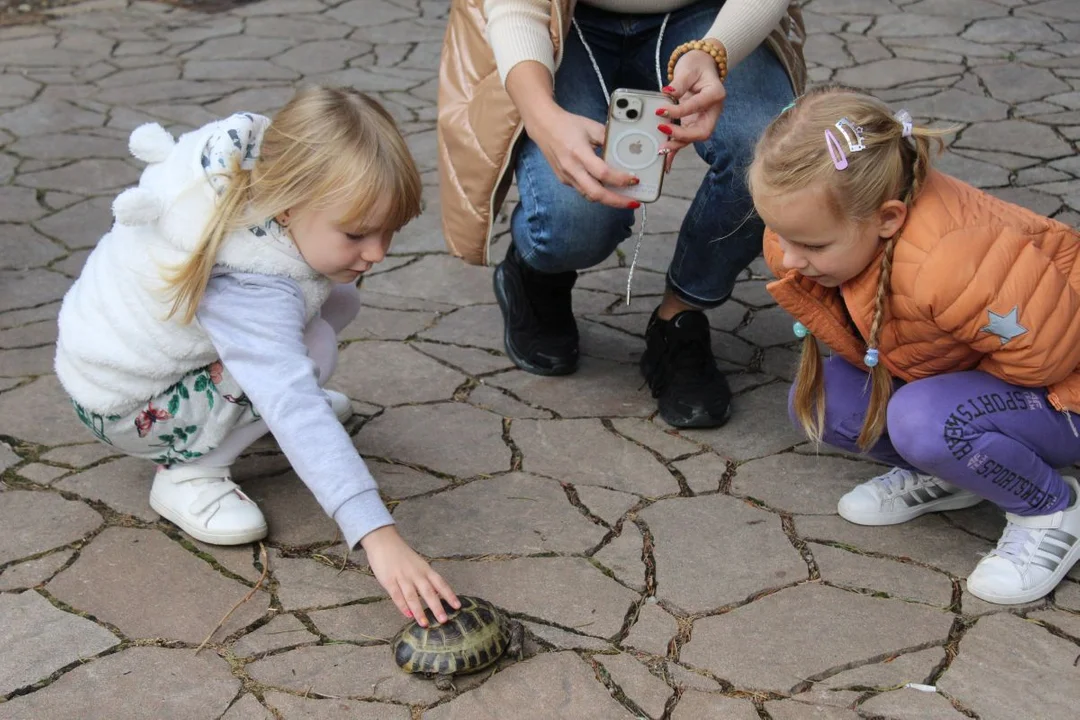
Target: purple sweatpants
{"points": [[971, 429]]}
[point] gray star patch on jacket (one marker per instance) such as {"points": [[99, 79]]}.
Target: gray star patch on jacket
{"points": [[1006, 327]]}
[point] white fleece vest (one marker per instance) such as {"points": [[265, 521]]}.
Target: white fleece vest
{"points": [[115, 349]]}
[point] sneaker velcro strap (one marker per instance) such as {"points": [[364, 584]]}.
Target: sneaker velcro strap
{"points": [[187, 473], [213, 494]]}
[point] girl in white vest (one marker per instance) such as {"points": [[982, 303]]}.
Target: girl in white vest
{"points": [[208, 315]]}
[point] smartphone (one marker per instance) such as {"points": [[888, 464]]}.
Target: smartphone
{"points": [[632, 141]]}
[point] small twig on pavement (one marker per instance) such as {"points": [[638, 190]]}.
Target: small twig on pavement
{"points": [[262, 578]]}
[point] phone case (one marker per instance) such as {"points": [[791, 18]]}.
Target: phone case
{"points": [[632, 141]]}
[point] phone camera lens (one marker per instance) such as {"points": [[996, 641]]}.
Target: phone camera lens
{"points": [[632, 114], [622, 103]]}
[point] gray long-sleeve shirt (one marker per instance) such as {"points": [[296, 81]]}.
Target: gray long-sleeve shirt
{"points": [[256, 323]]}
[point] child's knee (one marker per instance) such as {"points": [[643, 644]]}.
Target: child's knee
{"points": [[342, 305], [914, 422]]}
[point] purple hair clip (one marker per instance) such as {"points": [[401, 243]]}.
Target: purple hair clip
{"points": [[853, 135], [835, 151]]}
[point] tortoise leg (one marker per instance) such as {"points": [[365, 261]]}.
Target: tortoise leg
{"points": [[516, 647], [445, 682]]}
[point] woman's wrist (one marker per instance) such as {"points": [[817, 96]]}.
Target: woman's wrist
{"points": [[707, 46]]}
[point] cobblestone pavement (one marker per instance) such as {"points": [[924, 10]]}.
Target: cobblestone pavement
{"points": [[659, 574]]}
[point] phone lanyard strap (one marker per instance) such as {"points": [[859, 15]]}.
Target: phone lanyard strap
{"points": [[607, 96]]}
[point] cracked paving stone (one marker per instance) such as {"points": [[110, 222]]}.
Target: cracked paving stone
{"points": [[930, 540], [1035, 201], [1068, 622], [758, 426], [321, 56], [28, 288], [769, 328], [150, 587], [85, 177], [549, 448], [889, 73], [909, 704], [440, 278], [41, 474], [569, 592], [689, 680], [22, 247], [1010, 30], [8, 457], [344, 670], [282, 631], [20, 205], [780, 640], [622, 556], [477, 326], [122, 684], [472, 361], [35, 522], [387, 373], [598, 388], [247, 708], [237, 559], [81, 455], [32, 573], [265, 100], [1001, 659], [794, 710], [123, 485], [381, 324], [48, 116], [362, 623], [660, 438], [695, 705], [953, 104], [401, 481], [30, 336], [1067, 595], [898, 580], [564, 639], [600, 341], [414, 435], [644, 689], [747, 552], [915, 667], [39, 639], [552, 686], [653, 630], [306, 583], [791, 482], [519, 514], [500, 403], [299, 708], [1026, 137], [608, 505], [975, 172], [1016, 83], [702, 472], [80, 225]]}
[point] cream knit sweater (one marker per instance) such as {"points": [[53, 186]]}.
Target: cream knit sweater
{"points": [[518, 29]]}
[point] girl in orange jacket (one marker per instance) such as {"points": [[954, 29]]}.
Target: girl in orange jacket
{"points": [[954, 323]]}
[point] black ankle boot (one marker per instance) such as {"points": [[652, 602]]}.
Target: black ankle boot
{"points": [[681, 371], [541, 335]]}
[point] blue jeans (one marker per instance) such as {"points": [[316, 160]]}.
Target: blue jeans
{"points": [[555, 229]]}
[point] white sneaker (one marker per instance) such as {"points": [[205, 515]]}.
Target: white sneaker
{"points": [[901, 495], [341, 404], [1031, 557], [206, 504]]}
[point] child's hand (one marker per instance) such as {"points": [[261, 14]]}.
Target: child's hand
{"points": [[406, 575]]}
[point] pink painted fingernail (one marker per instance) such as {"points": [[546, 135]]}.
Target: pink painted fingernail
{"points": [[408, 613], [668, 89], [663, 151]]}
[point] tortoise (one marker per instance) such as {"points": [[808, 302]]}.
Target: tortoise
{"points": [[472, 638]]}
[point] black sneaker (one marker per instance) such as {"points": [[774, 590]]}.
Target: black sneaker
{"points": [[541, 335], [681, 371]]}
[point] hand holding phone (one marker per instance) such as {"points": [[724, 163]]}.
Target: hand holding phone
{"points": [[632, 141]]}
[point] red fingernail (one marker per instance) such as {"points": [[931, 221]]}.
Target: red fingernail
{"points": [[634, 205], [635, 181], [408, 613], [661, 112], [666, 129], [668, 89]]}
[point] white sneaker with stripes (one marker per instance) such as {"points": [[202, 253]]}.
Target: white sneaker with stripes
{"points": [[901, 495], [1032, 556]]}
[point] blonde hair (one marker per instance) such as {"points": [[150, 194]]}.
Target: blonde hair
{"points": [[327, 146], [792, 155]]}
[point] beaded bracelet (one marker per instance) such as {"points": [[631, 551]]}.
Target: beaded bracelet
{"points": [[715, 48]]}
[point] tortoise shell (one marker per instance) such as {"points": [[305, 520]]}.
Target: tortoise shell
{"points": [[472, 638]]}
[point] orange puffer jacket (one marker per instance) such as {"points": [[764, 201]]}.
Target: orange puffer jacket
{"points": [[977, 283]]}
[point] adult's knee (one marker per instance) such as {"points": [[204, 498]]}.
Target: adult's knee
{"points": [[570, 233]]}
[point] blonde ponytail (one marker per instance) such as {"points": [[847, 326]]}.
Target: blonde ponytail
{"points": [[187, 282]]}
